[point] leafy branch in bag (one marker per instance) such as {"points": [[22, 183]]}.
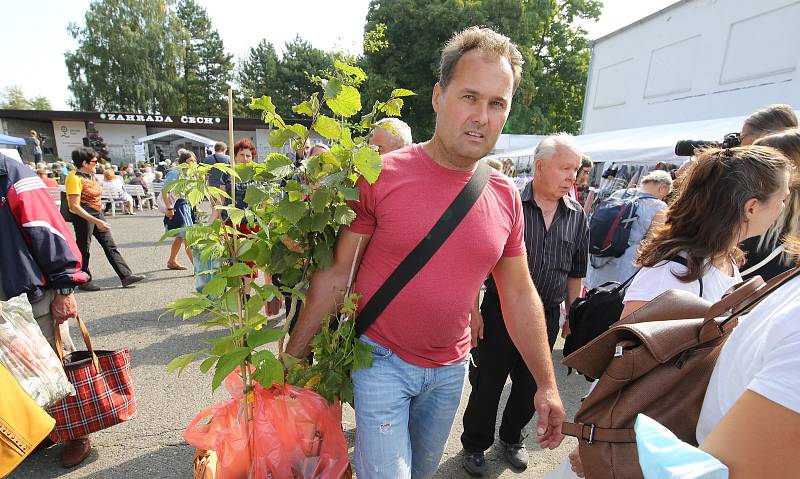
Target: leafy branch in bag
{"points": [[293, 215]]}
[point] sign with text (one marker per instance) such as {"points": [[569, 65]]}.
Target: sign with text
{"points": [[68, 136]]}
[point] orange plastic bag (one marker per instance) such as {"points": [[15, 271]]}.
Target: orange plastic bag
{"points": [[297, 434], [294, 433], [221, 428]]}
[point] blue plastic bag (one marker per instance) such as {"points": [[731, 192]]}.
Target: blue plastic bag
{"points": [[200, 280], [663, 456]]}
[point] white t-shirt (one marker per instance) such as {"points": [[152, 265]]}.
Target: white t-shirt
{"points": [[652, 281], [762, 355]]}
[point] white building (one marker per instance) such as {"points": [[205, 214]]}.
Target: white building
{"points": [[694, 60]]}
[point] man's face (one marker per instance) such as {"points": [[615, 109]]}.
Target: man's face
{"points": [[473, 108], [384, 139], [305, 151], [554, 176]]}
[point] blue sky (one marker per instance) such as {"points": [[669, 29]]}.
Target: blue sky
{"points": [[36, 61]]}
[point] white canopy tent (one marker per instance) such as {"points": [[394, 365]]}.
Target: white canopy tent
{"points": [[649, 144], [170, 136]]}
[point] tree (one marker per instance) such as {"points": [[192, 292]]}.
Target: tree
{"points": [[41, 103], [14, 99], [293, 82], [550, 96], [205, 66], [257, 75], [127, 57]]}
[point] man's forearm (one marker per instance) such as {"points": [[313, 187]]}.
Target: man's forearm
{"points": [[325, 292], [525, 321], [574, 287]]}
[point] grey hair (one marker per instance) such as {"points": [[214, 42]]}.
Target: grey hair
{"points": [[658, 176], [546, 148], [398, 128]]}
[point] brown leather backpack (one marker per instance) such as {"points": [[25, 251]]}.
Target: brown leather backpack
{"points": [[657, 361]]}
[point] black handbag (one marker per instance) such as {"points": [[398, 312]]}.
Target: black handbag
{"points": [[64, 208]]}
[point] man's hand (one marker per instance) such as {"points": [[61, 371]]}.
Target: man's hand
{"points": [[565, 331], [476, 326], [170, 213], [575, 462], [63, 307], [550, 414]]}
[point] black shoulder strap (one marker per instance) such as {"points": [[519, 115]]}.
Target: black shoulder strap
{"points": [[424, 251], [681, 260]]}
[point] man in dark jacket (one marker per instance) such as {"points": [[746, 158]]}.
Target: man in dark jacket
{"points": [[40, 258]]}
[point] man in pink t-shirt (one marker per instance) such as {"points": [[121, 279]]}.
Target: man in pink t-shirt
{"points": [[407, 400]]}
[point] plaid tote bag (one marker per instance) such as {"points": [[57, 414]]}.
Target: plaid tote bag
{"points": [[104, 390]]}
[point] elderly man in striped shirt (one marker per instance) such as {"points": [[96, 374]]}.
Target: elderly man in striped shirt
{"points": [[556, 237]]}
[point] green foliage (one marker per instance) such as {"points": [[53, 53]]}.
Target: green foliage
{"points": [[205, 65], [298, 210], [257, 74], [128, 57], [13, 98], [556, 54]]}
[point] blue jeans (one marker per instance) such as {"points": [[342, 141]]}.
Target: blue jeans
{"points": [[403, 415]]}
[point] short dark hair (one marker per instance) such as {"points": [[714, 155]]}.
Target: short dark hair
{"points": [[82, 155]]}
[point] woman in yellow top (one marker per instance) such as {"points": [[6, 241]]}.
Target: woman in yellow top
{"points": [[83, 195]]}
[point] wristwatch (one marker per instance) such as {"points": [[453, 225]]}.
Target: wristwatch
{"points": [[65, 291]]}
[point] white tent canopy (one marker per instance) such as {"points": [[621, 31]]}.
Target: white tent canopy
{"points": [[169, 136], [649, 144]]}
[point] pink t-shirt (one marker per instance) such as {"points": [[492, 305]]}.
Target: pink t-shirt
{"points": [[427, 323]]}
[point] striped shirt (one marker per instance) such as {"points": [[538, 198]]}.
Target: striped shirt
{"points": [[556, 253]]}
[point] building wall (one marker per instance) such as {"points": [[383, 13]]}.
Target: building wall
{"points": [[697, 60], [120, 140]]}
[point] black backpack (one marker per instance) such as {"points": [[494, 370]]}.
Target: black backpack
{"points": [[611, 222], [592, 315]]}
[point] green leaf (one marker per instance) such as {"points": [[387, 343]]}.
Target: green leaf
{"points": [[279, 137], [236, 215], [215, 287], [207, 363], [264, 103], [344, 215], [291, 211], [264, 336], [399, 92], [347, 103], [323, 254], [368, 163], [227, 364], [352, 71], [328, 127], [303, 109], [236, 270], [362, 355], [320, 220], [329, 158], [334, 180], [393, 107], [332, 88], [298, 130], [279, 165], [321, 198], [269, 372], [254, 195], [181, 362], [350, 194]]}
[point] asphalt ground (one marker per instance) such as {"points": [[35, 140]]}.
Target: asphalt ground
{"points": [[150, 446]]}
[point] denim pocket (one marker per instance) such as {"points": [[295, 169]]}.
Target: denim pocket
{"points": [[378, 350]]}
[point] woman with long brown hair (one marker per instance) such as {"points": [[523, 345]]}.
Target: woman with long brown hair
{"points": [[765, 254], [729, 195]]}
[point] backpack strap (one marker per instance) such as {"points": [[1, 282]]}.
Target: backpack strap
{"points": [[682, 261], [591, 433], [424, 251]]}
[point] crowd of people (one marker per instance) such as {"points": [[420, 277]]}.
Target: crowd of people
{"points": [[727, 209]]}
